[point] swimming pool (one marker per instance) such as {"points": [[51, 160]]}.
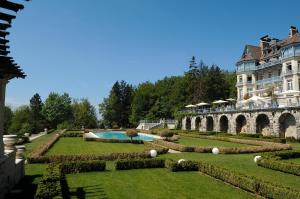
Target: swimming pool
{"points": [[121, 135]]}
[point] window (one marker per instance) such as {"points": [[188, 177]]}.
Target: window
{"points": [[249, 91], [279, 72], [289, 66], [240, 79], [289, 85], [249, 79], [241, 93], [269, 75]]}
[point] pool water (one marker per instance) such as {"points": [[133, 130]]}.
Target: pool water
{"points": [[121, 135]]}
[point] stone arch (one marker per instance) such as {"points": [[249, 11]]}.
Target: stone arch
{"points": [[287, 125], [209, 123], [197, 123], [241, 123], [224, 124], [188, 123], [263, 125]]}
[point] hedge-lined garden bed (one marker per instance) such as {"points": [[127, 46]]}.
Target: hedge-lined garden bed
{"points": [[52, 184], [258, 146], [139, 164], [245, 182], [274, 161]]}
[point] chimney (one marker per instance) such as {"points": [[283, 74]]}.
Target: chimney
{"points": [[264, 42], [293, 31]]}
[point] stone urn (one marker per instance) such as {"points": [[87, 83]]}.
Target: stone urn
{"points": [[9, 142], [20, 152], [26, 134]]}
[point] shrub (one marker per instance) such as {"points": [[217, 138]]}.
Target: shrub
{"points": [[174, 146], [72, 134], [139, 164], [279, 165], [131, 133], [182, 166], [160, 149], [82, 166], [166, 134], [50, 184]]}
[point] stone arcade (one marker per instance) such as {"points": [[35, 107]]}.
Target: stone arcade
{"points": [[280, 122], [11, 159]]}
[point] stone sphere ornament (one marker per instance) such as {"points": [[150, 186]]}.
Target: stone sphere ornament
{"points": [[256, 158], [215, 151], [153, 153], [181, 160]]}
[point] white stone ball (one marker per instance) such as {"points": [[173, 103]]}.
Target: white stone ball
{"points": [[181, 160], [153, 153], [215, 151], [256, 158]]}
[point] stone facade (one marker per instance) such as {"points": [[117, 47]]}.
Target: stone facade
{"points": [[268, 122]]}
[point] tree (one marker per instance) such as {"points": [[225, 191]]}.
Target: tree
{"points": [[116, 109], [8, 115], [84, 114], [165, 134], [37, 119], [57, 109], [131, 133], [21, 116]]}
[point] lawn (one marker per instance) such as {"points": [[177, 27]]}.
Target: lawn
{"points": [[37, 142], [189, 141], [76, 146], [149, 184], [242, 163]]}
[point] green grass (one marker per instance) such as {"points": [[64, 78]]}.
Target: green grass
{"points": [[149, 184], [37, 142], [242, 163], [293, 160], [189, 141], [76, 146]]}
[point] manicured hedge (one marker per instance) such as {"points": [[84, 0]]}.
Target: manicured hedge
{"points": [[287, 167], [273, 161], [113, 140], [82, 166], [182, 166], [108, 157], [160, 149], [42, 149], [248, 183], [50, 184], [139, 164], [72, 134]]}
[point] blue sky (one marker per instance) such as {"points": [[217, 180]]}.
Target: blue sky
{"points": [[82, 47]]}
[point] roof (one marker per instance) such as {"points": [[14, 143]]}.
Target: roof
{"points": [[8, 68], [291, 40], [251, 53]]}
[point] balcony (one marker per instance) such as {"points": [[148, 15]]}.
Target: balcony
{"points": [[268, 64], [269, 80], [290, 72]]}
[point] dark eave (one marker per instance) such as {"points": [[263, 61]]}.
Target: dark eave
{"points": [[6, 17], [3, 33], [4, 26], [11, 6]]}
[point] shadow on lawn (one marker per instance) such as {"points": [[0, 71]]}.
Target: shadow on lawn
{"points": [[25, 189], [93, 191]]}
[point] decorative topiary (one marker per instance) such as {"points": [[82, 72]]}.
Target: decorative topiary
{"points": [[131, 133], [165, 134]]}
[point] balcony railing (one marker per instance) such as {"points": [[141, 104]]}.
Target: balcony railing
{"points": [[269, 80], [268, 64], [290, 72]]}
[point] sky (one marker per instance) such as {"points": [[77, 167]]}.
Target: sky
{"points": [[82, 47]]}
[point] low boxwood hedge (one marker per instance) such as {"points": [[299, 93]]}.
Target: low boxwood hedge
{"points": [[182, 166], [245, 182], [273, 161], [107, 157], [113, 140], [51, 183], [139, 164]]}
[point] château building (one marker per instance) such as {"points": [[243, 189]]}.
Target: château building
{"points": [[271, 70]]}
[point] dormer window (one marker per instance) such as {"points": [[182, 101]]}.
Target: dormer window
{"points": [[289, 66]]}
